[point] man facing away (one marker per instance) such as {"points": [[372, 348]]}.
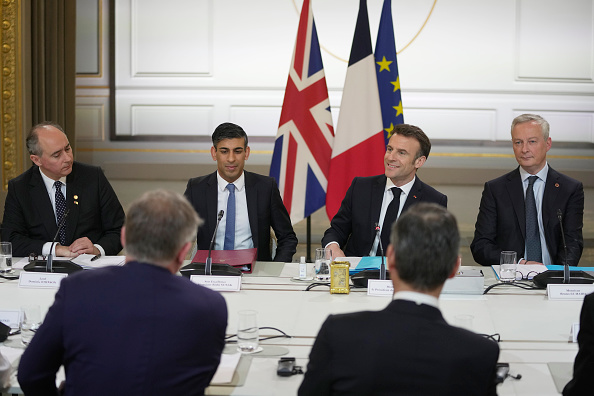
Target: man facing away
{"points": [[136, 329], [522, 211], [54, 187], [251, 202], [381, 199], [407, 348]]}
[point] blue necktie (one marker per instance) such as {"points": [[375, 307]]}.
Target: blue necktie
{"points": [[230, 224], [60, 209], [533, 248]]}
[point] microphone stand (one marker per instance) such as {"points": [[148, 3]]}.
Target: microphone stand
{"points": [[208, 266], [382, 271], [566, 276], [50, 257]]}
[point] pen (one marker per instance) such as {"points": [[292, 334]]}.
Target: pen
{"points": [[95, 257]]}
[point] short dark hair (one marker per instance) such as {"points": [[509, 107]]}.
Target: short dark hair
{"points": [[417, 133], [228, 130], [158, 224], [33, 137], [426, 242]]}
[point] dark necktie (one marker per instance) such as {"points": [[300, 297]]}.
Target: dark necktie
{"points": [[230, 223], [533, 248], [60, 209], [391, 215]]}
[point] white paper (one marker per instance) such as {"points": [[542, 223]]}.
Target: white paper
{"points": [[219, 283], [227, 366], [84, 260], [41, 280], [353, 261], [376, 287], [568, 292]]}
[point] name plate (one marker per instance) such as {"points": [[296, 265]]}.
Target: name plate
{"points": [[568, 292], [41, 280], [376, 287], [219, 283], [11, 318]]}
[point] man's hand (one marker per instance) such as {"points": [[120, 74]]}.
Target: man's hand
{"points": [[83, 245], [336, 250], [529, 262], [63, 251]]}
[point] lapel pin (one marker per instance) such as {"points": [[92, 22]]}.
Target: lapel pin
{"points": [[415, 196], [76, 197], [557, 185]]}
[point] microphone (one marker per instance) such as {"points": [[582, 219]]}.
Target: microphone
{"points": [[382, 272], [208, 266], [50, 257], [566, 278]]}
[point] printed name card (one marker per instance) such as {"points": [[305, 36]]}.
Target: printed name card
{"points": [[376, 287], [219, 283], [41, 280], [568, 292], [11, 318]]}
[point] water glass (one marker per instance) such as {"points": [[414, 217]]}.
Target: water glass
{"points": [[507, 266], [247, 331], [30, 322], [5, 257], [322, 265]]}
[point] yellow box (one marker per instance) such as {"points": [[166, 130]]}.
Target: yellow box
{"points": [[339, 277]]}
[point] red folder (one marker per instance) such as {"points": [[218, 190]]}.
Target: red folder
{"points": [[243, 259]]}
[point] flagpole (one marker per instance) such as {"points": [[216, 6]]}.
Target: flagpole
{"points": [[308, 239]]}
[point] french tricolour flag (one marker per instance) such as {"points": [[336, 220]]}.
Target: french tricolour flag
{"points": [[303, 147], [359, 144]]}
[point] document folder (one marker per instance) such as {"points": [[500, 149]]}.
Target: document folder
{"points": [[243, 259]]}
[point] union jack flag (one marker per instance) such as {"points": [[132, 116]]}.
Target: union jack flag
{"points": [[303, 146]]}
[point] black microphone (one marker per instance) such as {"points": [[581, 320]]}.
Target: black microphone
{"points": [[566, 278], [208, 266], [50, 257], [382, 272]]}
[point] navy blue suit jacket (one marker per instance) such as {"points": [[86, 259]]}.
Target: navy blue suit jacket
{"points": [[581, 383], [353, 226], [265, 209], [130, 330], [501, 222], [405, 349], [29, 219]]}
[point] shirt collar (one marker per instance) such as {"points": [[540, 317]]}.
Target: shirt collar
{"points": [[542, 174], [239, 183], [416, 297], [49, 183], [404, 188]]}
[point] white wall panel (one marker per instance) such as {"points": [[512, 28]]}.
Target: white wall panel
{"points": [[256, 121], [169, 120], [454, 124], [90, 122], [567, 126]]}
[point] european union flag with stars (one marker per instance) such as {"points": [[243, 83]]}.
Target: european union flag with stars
{"points": [[387, 72]]}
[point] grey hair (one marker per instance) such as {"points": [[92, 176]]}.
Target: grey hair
{"points": [[544, 125], [33, 137]]}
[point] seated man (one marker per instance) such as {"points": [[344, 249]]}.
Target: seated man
{"points": [[581, 383], [251, 202], [522, 210], [38, 199], [371, 201], [408, 348], [136, 329]]}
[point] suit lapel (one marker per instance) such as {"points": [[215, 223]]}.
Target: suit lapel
{"points": [[74, 196], [42, 203], [415, 195], [377, 196], [516, 195], [251, 195], [212, 202], [550, 193]]}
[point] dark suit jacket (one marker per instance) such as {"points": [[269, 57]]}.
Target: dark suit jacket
{"points": [[353, 226], [130, 330], [265, 210], [405, 349], [583, 368], [501, 222], [29, 219]]}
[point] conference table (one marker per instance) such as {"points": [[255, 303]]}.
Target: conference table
{"points": [[535, 332]]}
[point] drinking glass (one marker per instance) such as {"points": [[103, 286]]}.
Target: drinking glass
{"points": [[507, 266], [30, 322], [322, 265], [5, 257], [247, 331]]}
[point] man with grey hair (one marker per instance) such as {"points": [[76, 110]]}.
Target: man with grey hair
{"points": [[407, 348], [527, 209], [136, 329], [55, 187]]}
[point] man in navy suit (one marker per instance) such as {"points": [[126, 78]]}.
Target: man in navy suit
{"points": [[581, 383], [407, 348], [257, 201], [503, 220], [371, 200], [94, 218], [136, 329]]}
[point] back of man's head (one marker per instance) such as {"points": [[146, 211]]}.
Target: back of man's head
{"points": [[426, 243], [158, 225]]}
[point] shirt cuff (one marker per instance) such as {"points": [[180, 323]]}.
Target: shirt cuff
{"points": [[101, 251]]}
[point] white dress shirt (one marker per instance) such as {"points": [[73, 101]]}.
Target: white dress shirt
{"points": [[243, 232], [416, 297]]}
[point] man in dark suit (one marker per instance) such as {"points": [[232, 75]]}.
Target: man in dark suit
{"points": [[520, 211], [250, 209], [136, 329], [407, 348], [94, 214], [581, 383], [371, 201]]}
